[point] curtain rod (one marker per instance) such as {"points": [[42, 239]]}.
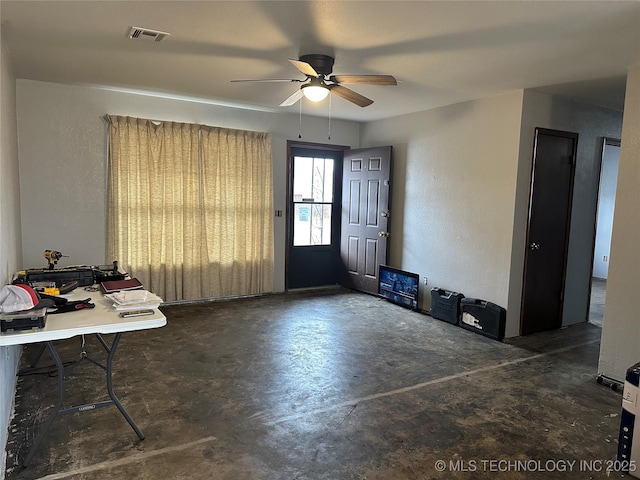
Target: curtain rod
{"points": [[107, 117]]}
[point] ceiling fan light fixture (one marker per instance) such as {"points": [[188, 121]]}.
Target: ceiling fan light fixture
{"points": [[315, 93]]}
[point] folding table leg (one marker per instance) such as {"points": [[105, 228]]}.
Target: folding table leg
{"points": [[58, 406], [40, 352], [110, 391]]}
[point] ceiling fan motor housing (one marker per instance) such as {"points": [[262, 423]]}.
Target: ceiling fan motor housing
{"points": [[323, 64], [317, 68]]}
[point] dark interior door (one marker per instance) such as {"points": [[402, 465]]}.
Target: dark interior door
{"points": [[548, 230], [366, 192]]}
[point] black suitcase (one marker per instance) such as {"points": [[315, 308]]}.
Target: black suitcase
{"points": [[483, 317], [445, 305]]}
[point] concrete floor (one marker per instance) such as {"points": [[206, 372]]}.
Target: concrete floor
{"points": [[596, 300], [325, 385]]}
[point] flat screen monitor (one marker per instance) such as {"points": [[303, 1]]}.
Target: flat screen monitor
{"points": [[398, 286]]}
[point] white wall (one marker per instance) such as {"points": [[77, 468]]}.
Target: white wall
{"points": [[592, 123], [620, 345], [10, 241], [606, 204], [452, 216], [63, 152]]}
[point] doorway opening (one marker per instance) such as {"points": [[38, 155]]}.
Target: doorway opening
{"points": [[314, 202], [337, 215], [606, 196]]}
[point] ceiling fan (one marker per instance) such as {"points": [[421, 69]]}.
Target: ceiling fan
{"points": [[319, 82]]}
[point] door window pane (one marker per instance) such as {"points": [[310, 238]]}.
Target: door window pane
{"points": [[312, 197], [313, 179], [311, 224]]}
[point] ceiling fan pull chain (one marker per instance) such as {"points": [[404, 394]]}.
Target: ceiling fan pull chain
{"points": [[329, 136], [300, 123]]}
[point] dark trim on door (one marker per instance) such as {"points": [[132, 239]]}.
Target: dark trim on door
{"points": [[291, 144]]}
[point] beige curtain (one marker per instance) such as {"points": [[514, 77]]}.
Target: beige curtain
{"points": [[238, 210], [191, 208]]}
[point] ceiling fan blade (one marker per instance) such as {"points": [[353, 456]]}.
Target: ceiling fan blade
{"points": [[304, 67], [269, 80], [364, 79], [293, 98], [350, 95]]}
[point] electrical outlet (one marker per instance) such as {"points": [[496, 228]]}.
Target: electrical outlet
{"points": [[605, 258]]}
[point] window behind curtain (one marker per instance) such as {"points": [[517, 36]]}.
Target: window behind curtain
{"points": [[190, 208]]}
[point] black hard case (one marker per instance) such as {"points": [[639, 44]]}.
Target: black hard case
{"points": [[483, 317], [83, 275], [445, 305], [26, 320]]}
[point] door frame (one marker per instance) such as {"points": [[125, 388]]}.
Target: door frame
{"points": [[291, 144], [614, 142], [555, 132]]}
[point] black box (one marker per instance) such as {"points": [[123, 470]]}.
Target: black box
{"points": [[483, 317], [83, 275], [445, 305], [26, 320]]}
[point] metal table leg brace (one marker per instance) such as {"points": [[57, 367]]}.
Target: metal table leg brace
{"points": [[60, 411]]}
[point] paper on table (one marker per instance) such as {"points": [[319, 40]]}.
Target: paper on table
{"points": [[134, 297], [135, 306]]}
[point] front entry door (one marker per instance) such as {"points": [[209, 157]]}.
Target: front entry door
{"points": [[548, 233], [314, 218], [366, 193]]}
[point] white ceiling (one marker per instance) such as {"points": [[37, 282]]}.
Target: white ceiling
{"points": [[441, 52]]}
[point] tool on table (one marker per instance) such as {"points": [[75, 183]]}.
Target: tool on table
{"points": [[53, 256]]}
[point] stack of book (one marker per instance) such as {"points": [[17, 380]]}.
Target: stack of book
{"points": [[129, 295], [112, 286]]}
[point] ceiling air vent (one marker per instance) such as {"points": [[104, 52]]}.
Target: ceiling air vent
{"points": [[147, 33]]}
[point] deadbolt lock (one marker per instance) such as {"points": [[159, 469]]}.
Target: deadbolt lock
{"points": [[385, 213]]}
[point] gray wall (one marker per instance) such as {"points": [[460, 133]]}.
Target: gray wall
{"points": [[620, 346], [62, 142], [10, 241], [460, 217], [453, 195]]}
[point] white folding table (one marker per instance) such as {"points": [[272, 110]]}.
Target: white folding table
{"points": [[103, 319]]}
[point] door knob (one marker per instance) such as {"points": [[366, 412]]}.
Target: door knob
{"points": [[383, 234], [534, 246]]}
